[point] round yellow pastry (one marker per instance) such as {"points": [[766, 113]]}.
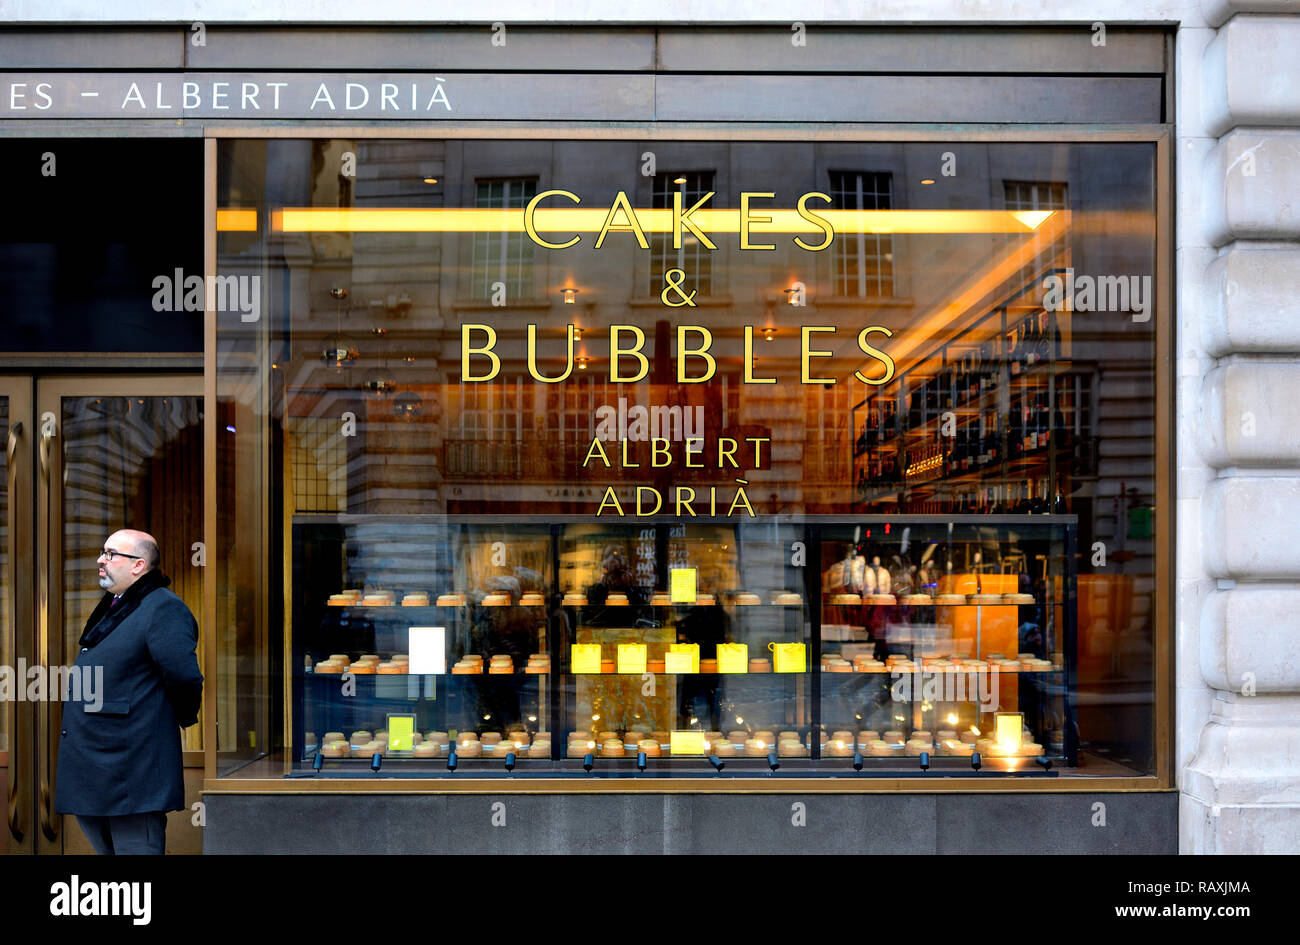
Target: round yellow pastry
{"points": [[415, 599], [391, 669], [881, 599], [574, 599], [787, 598], [649, 747], [894, 737], [336, 749], [880, 748], [918, 599], [451, 600], [724, 750], [1031, 749], [660, 599], [612, 749], [532, 599], [496, 599], [846, 599], [760, 665], [329, 667], [948, 600], [539, 749], [746, 599], [425, 750], [616, 599], [472, 749], [985, 599]]}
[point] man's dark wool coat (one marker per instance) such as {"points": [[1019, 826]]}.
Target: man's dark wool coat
{"points": [[125, 758]]}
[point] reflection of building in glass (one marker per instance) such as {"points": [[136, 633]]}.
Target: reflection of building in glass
{"points": [[987, 383]]}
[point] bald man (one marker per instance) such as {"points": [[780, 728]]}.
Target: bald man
{"points": [[120, 756]]}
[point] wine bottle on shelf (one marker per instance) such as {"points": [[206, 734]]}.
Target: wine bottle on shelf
{"points": [[972, 377], [1031, 340], [1045, 340], [1013, 350], [1015, 430], [1044, 422]]}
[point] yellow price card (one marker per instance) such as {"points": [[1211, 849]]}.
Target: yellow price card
{"points": [[401, 732], [631, 658], [733, 658], [682, 658], [686, 743], [788, 657], [585, 658], [682, 585]]}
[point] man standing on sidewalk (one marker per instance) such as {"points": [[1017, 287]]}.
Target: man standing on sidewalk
{"points": [[120, 767]]}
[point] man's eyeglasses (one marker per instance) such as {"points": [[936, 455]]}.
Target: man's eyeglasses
{"points": [[109, 554]]}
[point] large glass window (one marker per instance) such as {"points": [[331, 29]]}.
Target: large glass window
{"points": [[875, 477]]}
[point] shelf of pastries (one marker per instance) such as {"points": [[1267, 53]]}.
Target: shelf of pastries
{"points": [[894, 663], [471, 664]]}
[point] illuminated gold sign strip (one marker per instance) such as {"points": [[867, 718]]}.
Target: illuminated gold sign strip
{"points": [[233, 220], [560, 220]]}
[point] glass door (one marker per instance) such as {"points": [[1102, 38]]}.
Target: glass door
{"points": [[87, 455], [16, 637]]}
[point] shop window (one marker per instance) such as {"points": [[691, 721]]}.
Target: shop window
{"points": [[319, 462], [864, 262], [1039, 195], [504, 257], [691, 256]]}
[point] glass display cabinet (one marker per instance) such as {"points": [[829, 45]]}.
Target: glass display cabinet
{"points": [[667, 648]]}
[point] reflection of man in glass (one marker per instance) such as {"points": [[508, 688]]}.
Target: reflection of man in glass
{"points": [[615, 576], [707, 626]]}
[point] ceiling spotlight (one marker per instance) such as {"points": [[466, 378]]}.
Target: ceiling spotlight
{"points": [[928, 180], [431, 180], [769, 334], [582, 363], [570, 296], [679, 180]]}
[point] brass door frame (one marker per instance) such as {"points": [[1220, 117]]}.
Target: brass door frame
{"points": [[1159, 135], [49, 648], [19, 807]]}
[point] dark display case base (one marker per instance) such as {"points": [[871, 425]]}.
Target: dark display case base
{"points": [[1139, 822]]}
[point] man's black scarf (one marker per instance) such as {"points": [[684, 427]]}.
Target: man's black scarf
{"points": [[105, 617]]}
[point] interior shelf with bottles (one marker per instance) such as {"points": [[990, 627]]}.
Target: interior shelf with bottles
{"points": [[997, 419], [665, 648]]}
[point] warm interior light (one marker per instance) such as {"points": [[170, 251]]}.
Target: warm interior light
{"points": [[232, 220], [928, 180], [582, 364], [768, 333], [431, 180], [1007, 732], [561, 220], [679, 180], [570, 295], [952, 718]]}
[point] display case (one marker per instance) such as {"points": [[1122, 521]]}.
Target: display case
{"points": [[880, 645]]}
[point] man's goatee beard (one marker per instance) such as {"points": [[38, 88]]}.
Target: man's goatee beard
{"points": [[105, 582]]}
